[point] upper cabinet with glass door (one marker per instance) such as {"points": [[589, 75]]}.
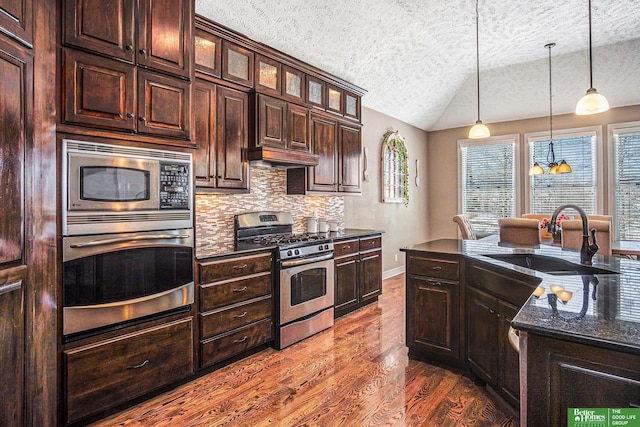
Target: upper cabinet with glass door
{"points": [[268, 76], [334, 99], [237, 64], [293, 85]]}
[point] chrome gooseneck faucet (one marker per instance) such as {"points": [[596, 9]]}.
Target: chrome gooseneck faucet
{"points": [[587, 251]]}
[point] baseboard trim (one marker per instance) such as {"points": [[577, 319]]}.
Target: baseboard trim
{"points": [[392, 272]]}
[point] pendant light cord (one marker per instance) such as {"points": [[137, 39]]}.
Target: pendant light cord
{"points": [[550, 152], [590, 54], [478, 52]]}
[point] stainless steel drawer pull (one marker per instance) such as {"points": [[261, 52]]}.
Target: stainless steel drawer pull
{"points": [[239, 267], [243, 339], [237, 316], [437, 267], [242, 289], [10, 287], [138, 366]]}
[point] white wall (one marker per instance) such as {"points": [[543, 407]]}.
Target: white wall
{"points": [[402, 225]]}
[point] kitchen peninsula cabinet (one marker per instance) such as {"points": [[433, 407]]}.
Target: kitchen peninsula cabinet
{"points": [[236, 306], [16, 111], [434, 296], [16, 17], [221, 135], [358, 273]]}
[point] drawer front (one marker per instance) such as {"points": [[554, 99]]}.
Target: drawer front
{"points": [[236, 267], [222, 347], [370, 243], [102, 375], [220, 294], [346, 247], [223, 320], [433, 267]]}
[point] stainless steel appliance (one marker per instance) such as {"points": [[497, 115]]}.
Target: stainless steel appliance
{"points": [[304, 273], [112, 279], [115, 189]]}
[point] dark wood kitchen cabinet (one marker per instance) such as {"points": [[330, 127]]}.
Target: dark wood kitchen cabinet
{"points": [[16, 121], [237, 64], [236, 306], [562, 374], [16, 18], [104, 374], [100, 92], [221, 128], [281, 124], [268, 76], [339, 147], [221, 134], [358, 273], [434, 330], [164, 29], [493, 299]]}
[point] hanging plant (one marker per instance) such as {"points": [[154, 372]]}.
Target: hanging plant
{"points": [[395, 169]]}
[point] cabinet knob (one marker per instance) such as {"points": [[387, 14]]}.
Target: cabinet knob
{"points": [[492, 311], [142, 118], [128, 47], [130, 115], [143, 51]]}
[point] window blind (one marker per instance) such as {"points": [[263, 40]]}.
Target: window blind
{"points": [[547, 192], [627, 183], [487, 177]]}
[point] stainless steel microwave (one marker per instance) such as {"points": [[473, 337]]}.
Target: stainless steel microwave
{"points": [[114, 189]]}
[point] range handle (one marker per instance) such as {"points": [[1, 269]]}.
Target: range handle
{"points": [[303, 261]]}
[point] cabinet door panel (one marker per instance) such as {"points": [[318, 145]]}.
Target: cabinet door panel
{"points": [[370, 274], [432, 323], [271, 125], [237, 64], [298, 128], [350, 151], [164, 35], [508, 358], [11, 352], [346, 282], [105, 27], [208, 53], [204, 108], [315, 95], [323, 139], [233, 125], [15, 104], [267, 77], [293, 85], [482, 330], [98, 92], [16, 16], [164, 104]]}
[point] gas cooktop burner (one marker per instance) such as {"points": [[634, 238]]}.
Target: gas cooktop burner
{"points": [[285, 239]]}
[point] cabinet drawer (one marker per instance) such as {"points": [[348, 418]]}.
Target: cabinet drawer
{"points": [[236, 267], [233, 291], [222, 347], [370, 243], [431, 267], [346, 247], [102, 375], [228, 318]]}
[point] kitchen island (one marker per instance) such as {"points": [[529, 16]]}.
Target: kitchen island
{"points": [[579, 345]]}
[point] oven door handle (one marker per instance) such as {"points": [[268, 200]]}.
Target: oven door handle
{"points": [[304, 261], [128, 239]]}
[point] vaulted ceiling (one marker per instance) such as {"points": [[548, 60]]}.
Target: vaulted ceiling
{"points": [[417, 59]]}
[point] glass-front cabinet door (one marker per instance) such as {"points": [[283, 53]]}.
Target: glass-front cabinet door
{"points": [[237, 64], [334, 99], [293, 87], [315, 92], [208, 53], [268, 72]]}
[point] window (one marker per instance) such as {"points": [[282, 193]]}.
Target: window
{"points": [[580, 148], [487, 180], [625, 183], [395, 174]]}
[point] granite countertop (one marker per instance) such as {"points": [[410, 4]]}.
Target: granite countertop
{"points": [[604, 309], [222, 248]]}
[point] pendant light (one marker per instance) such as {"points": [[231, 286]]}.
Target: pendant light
{"points": [[592, 102], [479, 130], [554, 167]]}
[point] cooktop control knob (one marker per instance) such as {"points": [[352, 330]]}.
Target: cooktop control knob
{"points": [[288, 253], [297, 252], [320, 247]]}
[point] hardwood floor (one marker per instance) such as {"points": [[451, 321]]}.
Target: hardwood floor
{"points": [[354, 374]]}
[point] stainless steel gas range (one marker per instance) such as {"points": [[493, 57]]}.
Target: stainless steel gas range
{"points": [[304, 273]]}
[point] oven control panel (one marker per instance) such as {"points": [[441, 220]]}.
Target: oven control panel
{"points": [[174, 186], [305, 251]]}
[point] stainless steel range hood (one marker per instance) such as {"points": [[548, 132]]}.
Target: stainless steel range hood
{"points": [[282, 157]]}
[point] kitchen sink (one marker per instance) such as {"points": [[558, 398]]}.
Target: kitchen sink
{"points": [[549, 265]]}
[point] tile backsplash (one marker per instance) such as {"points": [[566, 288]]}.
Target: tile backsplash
{"points": [[214, 212]]}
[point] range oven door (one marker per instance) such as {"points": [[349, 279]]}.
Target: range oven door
{"points": [[306, 287], [113, 278]]}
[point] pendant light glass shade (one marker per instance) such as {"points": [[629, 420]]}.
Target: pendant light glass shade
{"points": [[479, 130], [592, 102], [536, 169], [563, 167]]}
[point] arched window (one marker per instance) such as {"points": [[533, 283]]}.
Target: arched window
{"points": [[395, 171]]}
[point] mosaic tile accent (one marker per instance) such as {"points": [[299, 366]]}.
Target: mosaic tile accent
{"points": [[214, 212]]}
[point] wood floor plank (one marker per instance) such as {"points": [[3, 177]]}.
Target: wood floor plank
{"points": [[355, 374]]}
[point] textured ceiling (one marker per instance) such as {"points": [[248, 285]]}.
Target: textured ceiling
{"points": [[417, 58]]}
